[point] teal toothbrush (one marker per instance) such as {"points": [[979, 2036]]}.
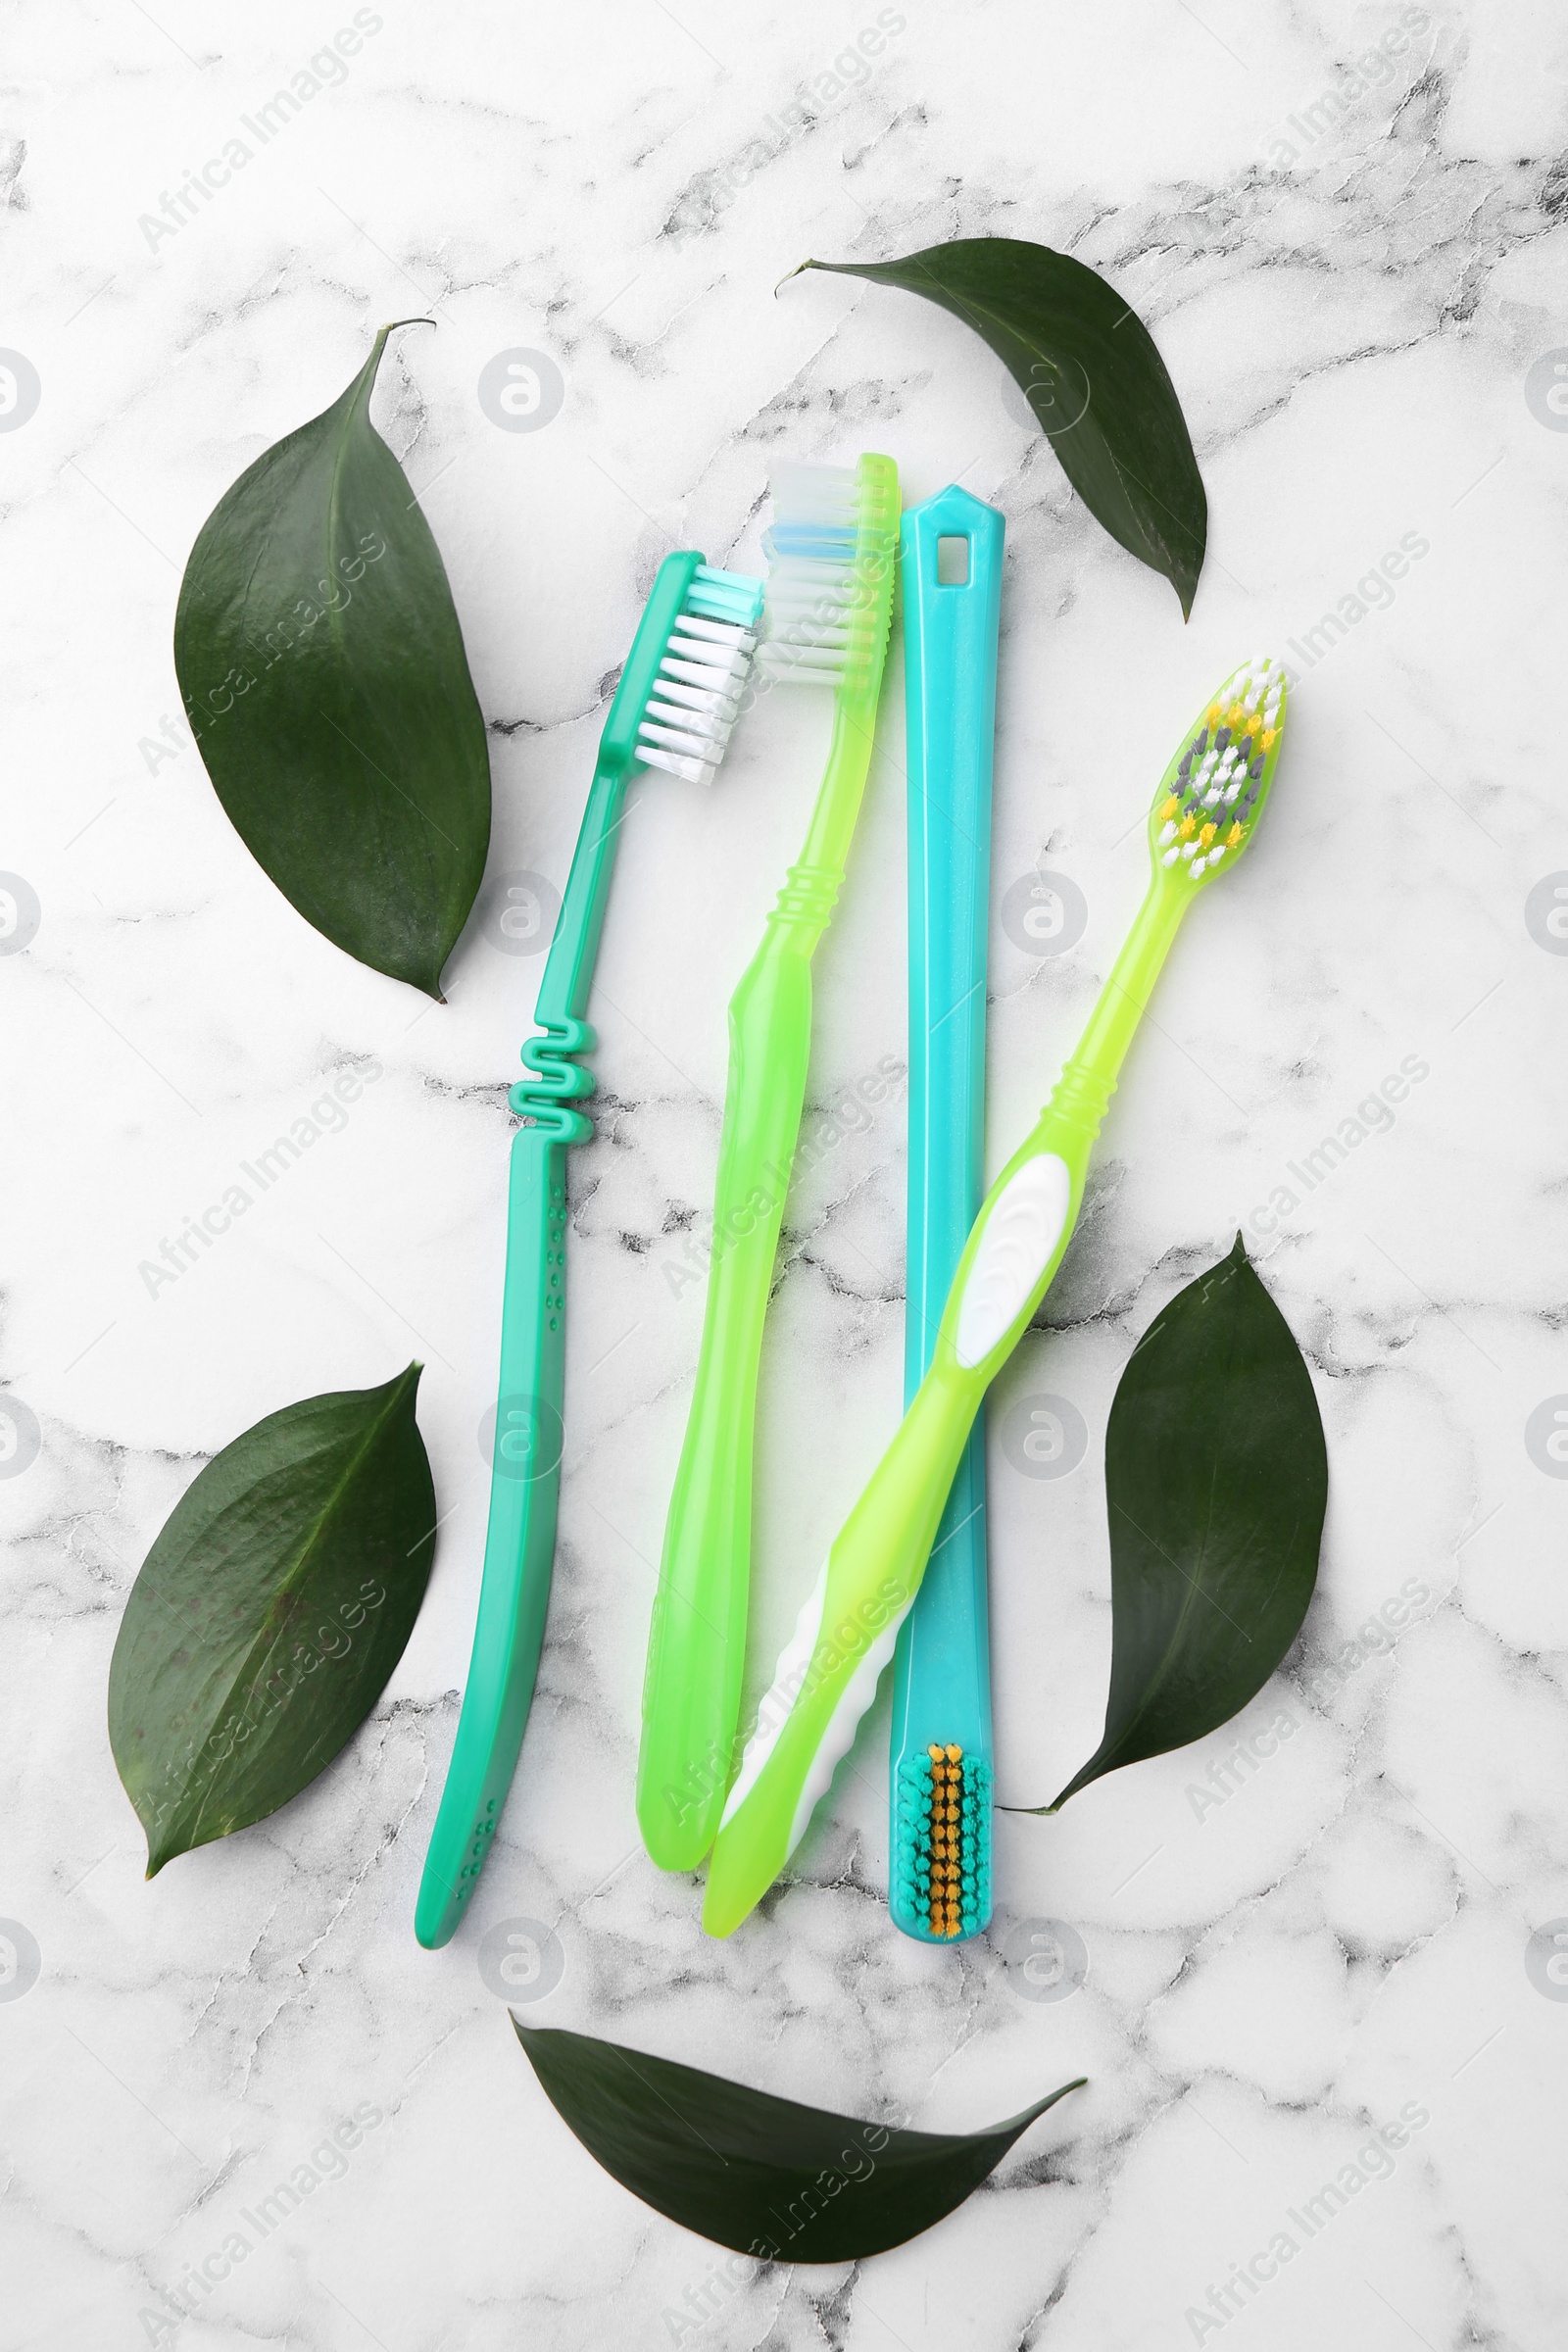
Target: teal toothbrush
{"points": [[674, 707], [940, 1765], [1204, 814]]}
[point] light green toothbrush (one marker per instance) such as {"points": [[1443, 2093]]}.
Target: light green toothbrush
{"points": [[1204, 815], [827, 609]]}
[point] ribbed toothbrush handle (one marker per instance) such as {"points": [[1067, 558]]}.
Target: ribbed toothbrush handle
{"points": [[805, 905], [1080, 1100], [697, 1640]]}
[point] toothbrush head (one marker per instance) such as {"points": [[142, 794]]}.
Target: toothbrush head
{"points": [[691, 701], [1211, 796], [832, 559], [942, 1844]]}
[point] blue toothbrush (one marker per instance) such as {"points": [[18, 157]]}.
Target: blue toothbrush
{"points": [[941, 1761]]}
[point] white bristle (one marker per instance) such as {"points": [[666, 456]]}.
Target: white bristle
{"points": [[677, 738], [716, 726], [812, 665], [697, 673], [694, 698], [816, 621], [714, 631], [695, 701], [695, 771], [688, 705], [722, 675], [796, 476], [690, 648]]}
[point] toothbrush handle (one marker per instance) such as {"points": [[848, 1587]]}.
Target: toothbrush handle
{"points": [[525, 1459], [697, 1643], [827, 1677], [942, 1666], [520, 1542]]}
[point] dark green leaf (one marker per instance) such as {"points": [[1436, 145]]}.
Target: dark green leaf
{"points": [[1218, 1480], [322, 669], [269, 1612], [1089, 369], [784, 2183]]}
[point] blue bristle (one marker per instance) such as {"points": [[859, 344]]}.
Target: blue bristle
{"points": [[824, 541], [726, 595]]}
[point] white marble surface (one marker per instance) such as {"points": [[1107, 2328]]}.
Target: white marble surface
{"points": [[1351, 326]]}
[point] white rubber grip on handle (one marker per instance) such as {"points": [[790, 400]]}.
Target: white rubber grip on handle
{"points": [[774, 1712], [1017, 1245]]}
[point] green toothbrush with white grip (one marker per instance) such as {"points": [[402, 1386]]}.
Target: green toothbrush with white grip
{"points": [[1204, 815], [676, 702]]}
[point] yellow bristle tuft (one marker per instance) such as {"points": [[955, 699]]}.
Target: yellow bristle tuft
{"points": [[943, 1907]]}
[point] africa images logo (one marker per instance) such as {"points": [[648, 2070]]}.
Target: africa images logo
{"points": [[325, 71], [1373, 2161]]}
